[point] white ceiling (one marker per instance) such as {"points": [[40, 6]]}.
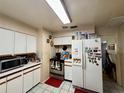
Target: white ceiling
{"points": [[83, 12]]}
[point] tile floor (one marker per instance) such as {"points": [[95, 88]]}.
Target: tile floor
{"points": [[112, 87], [66, 87]]}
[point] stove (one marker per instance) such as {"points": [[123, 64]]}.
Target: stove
{"points": [[57, 68]]}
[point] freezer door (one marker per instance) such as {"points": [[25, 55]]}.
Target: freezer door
{"points": [[77, 52], [93, 65], [77, 59], [77, 76]]}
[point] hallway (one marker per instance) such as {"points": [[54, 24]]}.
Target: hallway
{"points": [[112, 87]]}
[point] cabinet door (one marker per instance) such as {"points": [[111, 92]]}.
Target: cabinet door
{"points": [[63, 41], [68, 72], [28, 81], [6, 42], [20, 43], [31, 44], [58, 41], [67, 40], [36, 76], [3, 85], [14, 83]]}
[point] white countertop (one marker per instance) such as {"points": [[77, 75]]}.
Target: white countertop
{"points": [[30, 64], [68, 62]]}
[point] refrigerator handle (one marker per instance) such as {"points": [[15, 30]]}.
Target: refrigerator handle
{"points": [[84, 61]]}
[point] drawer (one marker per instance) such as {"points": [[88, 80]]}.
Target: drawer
{"points": [[31, 69], [2, 81], [14, 76]]}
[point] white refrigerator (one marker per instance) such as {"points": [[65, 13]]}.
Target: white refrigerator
{"points": [[87, 64]]}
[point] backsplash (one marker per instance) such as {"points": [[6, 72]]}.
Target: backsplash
{"points": [[31, 56]]}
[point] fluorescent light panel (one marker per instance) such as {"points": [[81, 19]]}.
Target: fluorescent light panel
{"points": [[58, 8]]}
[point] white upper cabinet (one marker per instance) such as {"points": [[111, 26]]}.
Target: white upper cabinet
{"points": [[62, 41], [16, 43], [6, 42], [31, 44], [20, 43]]}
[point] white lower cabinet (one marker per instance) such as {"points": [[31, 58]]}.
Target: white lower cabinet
{"points": [[20, 82], [14, 83], [3, 88], [36, 79], [68, 72], [28, 81], [3, 85]]}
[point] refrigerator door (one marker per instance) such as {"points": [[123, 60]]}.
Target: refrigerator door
{"points": [[93, 65], [77, 71], [77, 52], [77, 76]]}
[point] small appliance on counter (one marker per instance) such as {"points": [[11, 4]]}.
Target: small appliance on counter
{"points": [[24, 60], [9, 64]]}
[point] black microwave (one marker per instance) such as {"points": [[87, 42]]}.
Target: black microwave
{"points": [[10, 64]]}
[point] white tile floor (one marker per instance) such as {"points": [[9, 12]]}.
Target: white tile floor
{"points": [[66, 87]]}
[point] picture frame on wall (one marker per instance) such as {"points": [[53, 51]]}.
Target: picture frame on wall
{"points": [[112, 48]]}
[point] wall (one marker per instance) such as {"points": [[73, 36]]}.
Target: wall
{"points": [[110, 35], [121, 50], [44, 52], [9, 23], [89, 29]]}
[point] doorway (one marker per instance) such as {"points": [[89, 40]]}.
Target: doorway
{"points": [[109, 67], [109, 71]]}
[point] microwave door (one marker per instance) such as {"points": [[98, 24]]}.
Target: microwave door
{"points": [[10, 64]]}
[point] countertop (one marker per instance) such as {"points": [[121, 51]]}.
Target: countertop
{"points": [[68, 62], [30, 64]]}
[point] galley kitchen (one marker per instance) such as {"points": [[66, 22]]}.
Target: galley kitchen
{"points": [[61, 46]]}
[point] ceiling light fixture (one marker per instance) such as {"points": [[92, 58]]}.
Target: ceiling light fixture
{"points": [[60, 10]]}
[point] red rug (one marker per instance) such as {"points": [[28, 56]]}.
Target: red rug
{"points": [[54, 82], [80, 91]]}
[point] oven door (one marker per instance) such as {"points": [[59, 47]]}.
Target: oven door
{"points": [[10, 64], [57, 67]]}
